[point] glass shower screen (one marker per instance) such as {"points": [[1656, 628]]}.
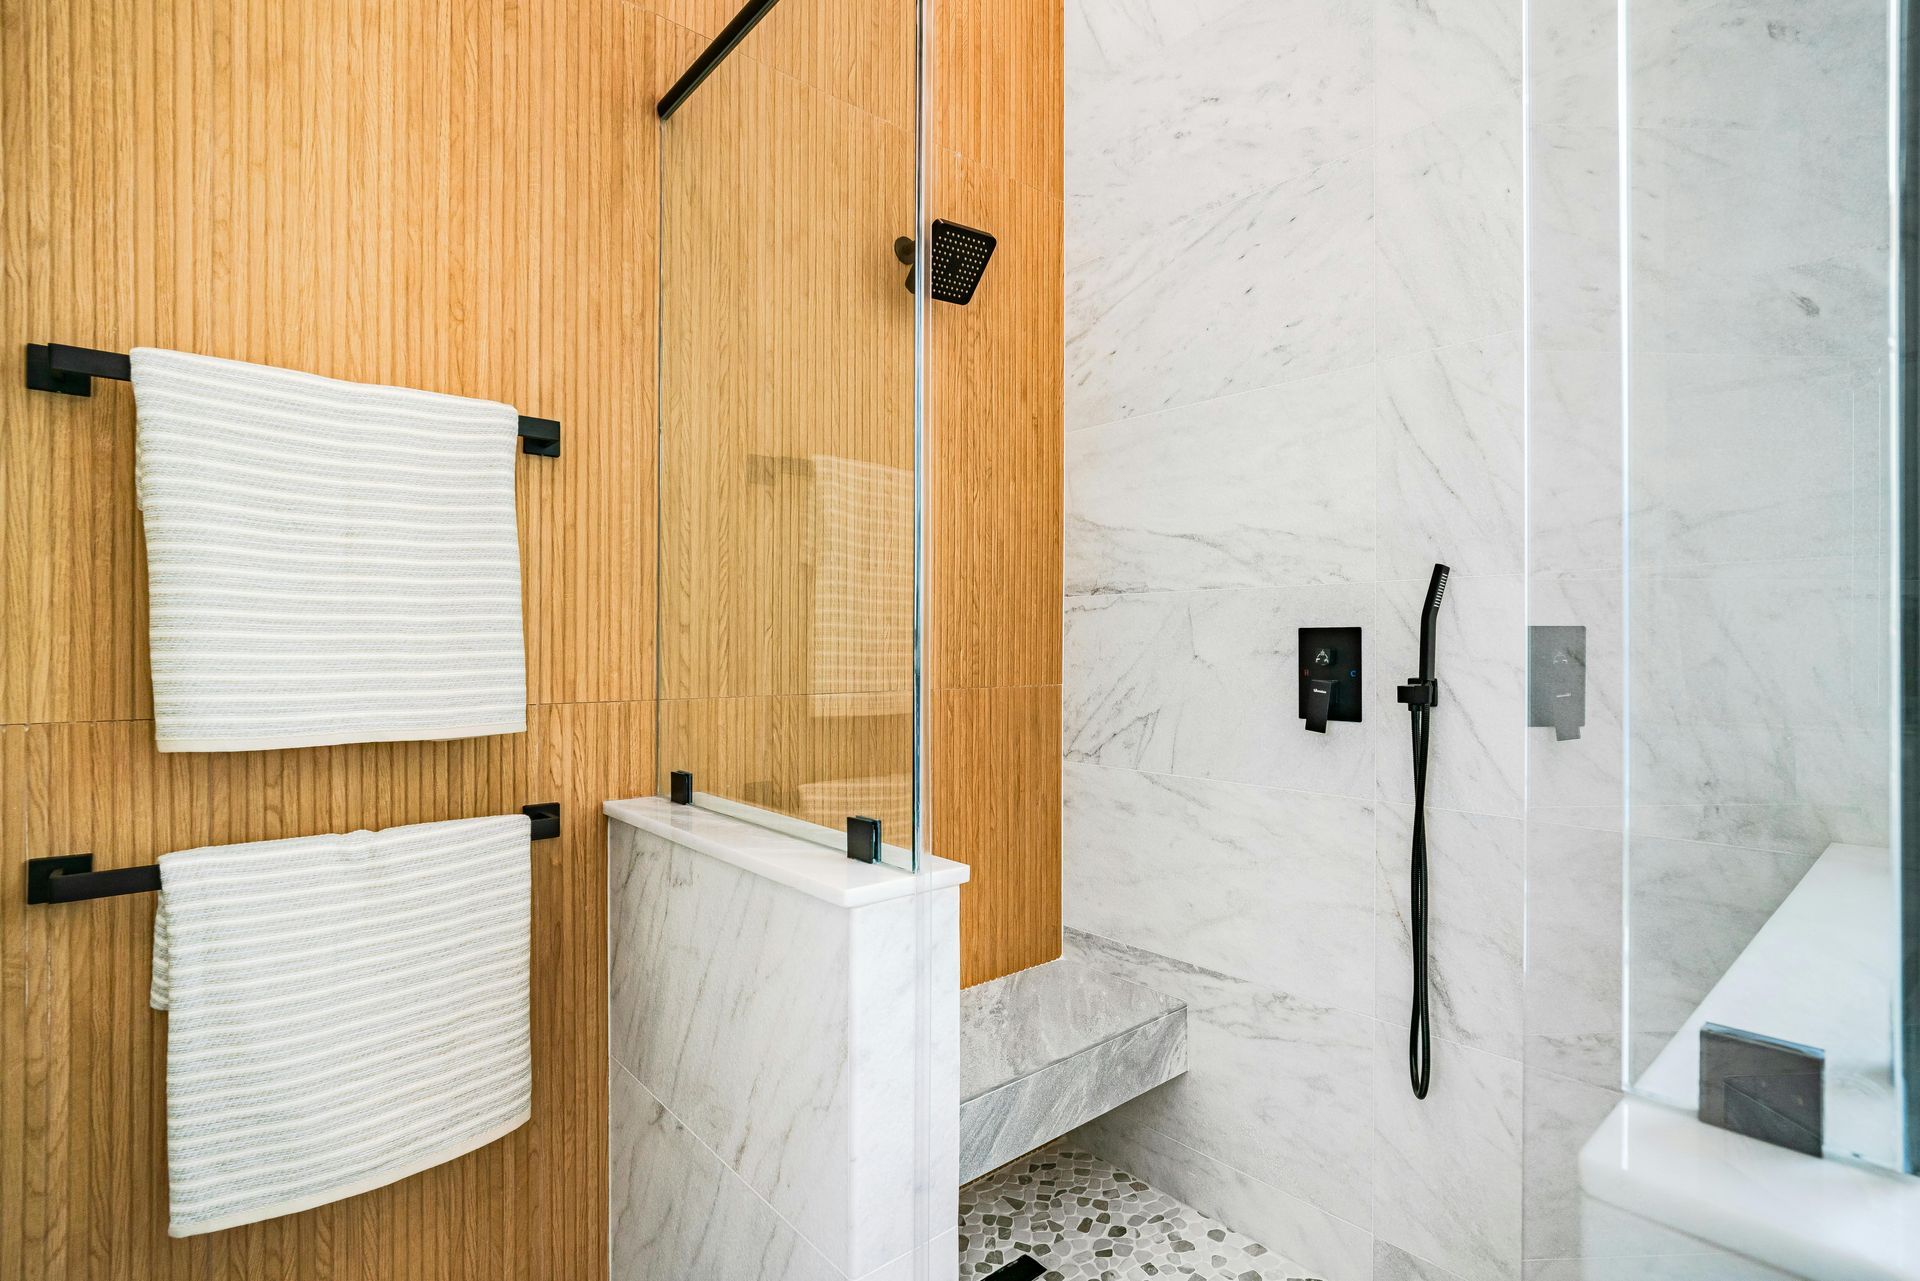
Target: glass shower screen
{"points": [[787, 367]]}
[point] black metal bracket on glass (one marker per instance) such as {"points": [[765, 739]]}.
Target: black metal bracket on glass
{"points": [[70, 878], [863, 839], [54, 366], [714, 54]]}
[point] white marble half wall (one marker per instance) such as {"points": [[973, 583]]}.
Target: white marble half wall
{"points": [[764, 1038]]}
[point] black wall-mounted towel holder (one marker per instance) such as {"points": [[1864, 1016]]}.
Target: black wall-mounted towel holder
{"points": [[70, 878], [70, 371]]}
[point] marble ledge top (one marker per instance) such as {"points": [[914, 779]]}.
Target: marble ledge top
{"points": [[1015, 1026], [793, 861]]}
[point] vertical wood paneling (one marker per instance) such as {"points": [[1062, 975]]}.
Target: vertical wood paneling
{"points": [[999, 86], [996, 797], [452, 196], [786, 574], [995, 443], [995, 390]]}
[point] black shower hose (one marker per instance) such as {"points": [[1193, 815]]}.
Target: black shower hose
{"points": [[1419, 1033]]}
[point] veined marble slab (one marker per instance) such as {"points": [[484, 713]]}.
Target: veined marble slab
{"points": [[782, 856], [1052, 1047], [788, 1024]]}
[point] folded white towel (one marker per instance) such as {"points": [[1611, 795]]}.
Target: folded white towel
{"points": [[343, 1011], [328, 562]]}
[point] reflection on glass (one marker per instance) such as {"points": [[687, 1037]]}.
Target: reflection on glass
{"points": [[1758, 544], [787, 365]]}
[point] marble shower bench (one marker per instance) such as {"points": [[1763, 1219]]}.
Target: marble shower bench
{"points": [[1049, 1048]]}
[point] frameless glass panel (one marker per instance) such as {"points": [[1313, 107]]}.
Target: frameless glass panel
{"points": [[786, 663], [1758, 549]]}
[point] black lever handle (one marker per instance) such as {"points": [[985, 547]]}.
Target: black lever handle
{"points": [[1319, 704]]}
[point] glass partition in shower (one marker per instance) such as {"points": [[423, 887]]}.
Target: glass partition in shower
{"points": [[787, 580], [1714, 514]]}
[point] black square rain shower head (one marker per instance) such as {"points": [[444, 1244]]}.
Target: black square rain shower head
{"points": [[958, 257]]}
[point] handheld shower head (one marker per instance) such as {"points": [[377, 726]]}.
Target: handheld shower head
{"points": [[1430, 618], [1421, 695]]}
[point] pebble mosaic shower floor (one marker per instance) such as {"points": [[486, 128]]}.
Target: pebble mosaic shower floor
{"points": [[1084, 1220]]}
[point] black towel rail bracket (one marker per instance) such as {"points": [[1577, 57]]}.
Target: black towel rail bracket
{"points": [[70, 371], [70, 878]]}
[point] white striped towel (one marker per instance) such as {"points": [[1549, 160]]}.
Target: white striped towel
{"points": [[342, 1012], [328, 562]]}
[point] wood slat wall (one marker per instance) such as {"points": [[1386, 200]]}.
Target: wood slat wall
{"points": [[459, 197], [787, 427], [995, 386], [452, 196]]}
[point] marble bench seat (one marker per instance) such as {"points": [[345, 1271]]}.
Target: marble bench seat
{"points": [[1052, 1047]]}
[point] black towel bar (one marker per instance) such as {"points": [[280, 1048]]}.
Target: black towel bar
{"points": [[54, 366], [69, 878]]}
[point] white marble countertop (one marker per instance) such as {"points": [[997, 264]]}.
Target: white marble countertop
{"points": [[808, 866]]}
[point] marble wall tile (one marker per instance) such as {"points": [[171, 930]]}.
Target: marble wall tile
{"points": [[1268, 487], [896, 960], [1706, 1264], [678, 1211], [1735, 459], [1575, 237], [1333, 1248], [1390, 1264], [710, 1030], [1698, 905], [1262, 90], [1561, 1115], [1575, 455], [1435, 59], [1744, 644], [1769, 66], [1274, 1087], [1574, 958], [1841, 773], [1477, 755], [1476, 925], [1201, 852], [1574, 76], [942, 1262], [1256, 288], [1447, 1172], [1452, 465], [1760, 243], [1204, 684], [1447, 201]]}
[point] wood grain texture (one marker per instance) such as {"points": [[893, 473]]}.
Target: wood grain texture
{"points": [[787, 427], [996, 795], [995, 449], [999, 88], [996, 441], [450, 196]]}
